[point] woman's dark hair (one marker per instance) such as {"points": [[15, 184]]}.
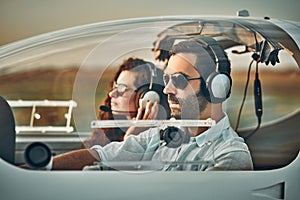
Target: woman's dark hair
{"points": [[143, 69]]}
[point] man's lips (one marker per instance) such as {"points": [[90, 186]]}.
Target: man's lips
{"points": [[172, 99], [174, 105], [172, 102]]}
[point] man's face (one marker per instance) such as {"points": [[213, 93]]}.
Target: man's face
{"points": [[187, 102]]}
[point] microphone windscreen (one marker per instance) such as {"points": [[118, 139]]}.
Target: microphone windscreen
{"points": [[105, 108], [108, 109]]}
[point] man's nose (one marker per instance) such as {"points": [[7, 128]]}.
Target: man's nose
{"points": [[169, 88]]}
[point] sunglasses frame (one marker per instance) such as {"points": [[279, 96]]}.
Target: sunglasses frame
{"points": [[179, 85]]}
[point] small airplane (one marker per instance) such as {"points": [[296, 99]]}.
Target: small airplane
{"points": [[51, 86]]}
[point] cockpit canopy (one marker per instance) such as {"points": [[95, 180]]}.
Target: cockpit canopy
{"points": [[74, 67]]}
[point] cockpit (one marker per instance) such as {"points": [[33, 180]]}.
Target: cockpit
{"points": [[55, 83]]}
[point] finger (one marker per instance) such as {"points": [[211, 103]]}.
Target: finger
{"points": [[154, 111], [147, 110], [139, 115]]}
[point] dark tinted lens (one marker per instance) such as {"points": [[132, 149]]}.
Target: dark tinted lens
{"points": [[179, 81], [166, 79]]}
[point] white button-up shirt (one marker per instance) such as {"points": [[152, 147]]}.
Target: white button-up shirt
{"points": [[218, 148]]}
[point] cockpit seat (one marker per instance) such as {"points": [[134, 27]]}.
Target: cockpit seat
{"points": [[276, 144], [7, 132]]}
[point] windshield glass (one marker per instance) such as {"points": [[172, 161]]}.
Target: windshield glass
{"points": [[56, 82]]}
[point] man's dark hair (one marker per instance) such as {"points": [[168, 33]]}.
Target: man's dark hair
{"points": [[201, 51]]}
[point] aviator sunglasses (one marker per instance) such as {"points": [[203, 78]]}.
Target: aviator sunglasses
{"points": [[179, 80], [121, 88]]}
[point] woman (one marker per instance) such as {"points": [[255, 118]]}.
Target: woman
{"points": [[132, 82]]}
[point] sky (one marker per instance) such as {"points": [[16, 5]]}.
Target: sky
{"points": [[20, 19]]}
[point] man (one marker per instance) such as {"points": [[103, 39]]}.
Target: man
{"points": [[186, 83]]}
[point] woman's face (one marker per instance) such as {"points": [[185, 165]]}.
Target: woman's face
{"points": [[123, 94]]}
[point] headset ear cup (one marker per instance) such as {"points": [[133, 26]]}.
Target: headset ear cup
{"points": [[144, 94], [216, 84], [140, 93], [219, 87], [151, 96]]}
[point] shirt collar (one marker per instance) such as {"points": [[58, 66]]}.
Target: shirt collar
{"points": [[213, 132]]}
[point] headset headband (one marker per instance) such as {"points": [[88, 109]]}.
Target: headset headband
{"points": [[146, 93], [153, 74], [220, 58], [218, 81]]}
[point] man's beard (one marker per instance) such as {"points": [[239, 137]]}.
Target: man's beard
{"points": [[190, 107]]}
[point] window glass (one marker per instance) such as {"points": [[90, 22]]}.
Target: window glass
{"points": [[55, 83]]}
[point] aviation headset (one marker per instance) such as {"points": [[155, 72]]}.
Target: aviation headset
{"points": [[217, 87], [216, 82], [146, 92]]}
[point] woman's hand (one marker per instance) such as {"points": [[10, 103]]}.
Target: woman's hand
{"points": [[149, 112]]}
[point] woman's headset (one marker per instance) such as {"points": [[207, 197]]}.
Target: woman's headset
{"points": [[148, 92]]}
